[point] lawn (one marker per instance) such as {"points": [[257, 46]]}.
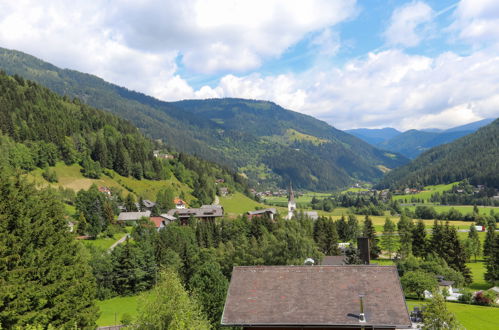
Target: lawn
{"points": [[239, 203], [470, 316], [105, 242], [478, 271], [464, 209], [113, 309]]}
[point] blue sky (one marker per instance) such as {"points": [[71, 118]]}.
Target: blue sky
{"points": [[372, 63]]}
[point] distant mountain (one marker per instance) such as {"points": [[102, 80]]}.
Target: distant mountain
{"points": [[413, 142], [374, 136], [471, 126], [269, 144], [474, 157]]}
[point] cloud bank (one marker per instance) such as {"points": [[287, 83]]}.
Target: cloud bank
{"points": [[145, 45]]}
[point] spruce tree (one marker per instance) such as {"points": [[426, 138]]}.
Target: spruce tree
{"points": [[405, 227], [353, 227], [342, 228], [488, 245], [44, 278], [389, 240], [419, 243], [492, 274], [437, 237], [369, 232], [474, 242]]}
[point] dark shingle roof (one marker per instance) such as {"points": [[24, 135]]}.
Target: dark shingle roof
{"points": [[326, 296], [205, 211], [333, 260]]}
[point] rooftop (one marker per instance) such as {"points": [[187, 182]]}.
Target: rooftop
{"points": [[129, 216], [326, 296]]}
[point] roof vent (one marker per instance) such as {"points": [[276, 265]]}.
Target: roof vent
{"points": [[362, 317], [309, 262]]}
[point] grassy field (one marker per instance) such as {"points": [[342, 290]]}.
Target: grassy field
{"points": [[105, 242], [113, 309], [470, 316], [302, 199], [238, 203], [71, 177], [478, 270], [426, 192]]}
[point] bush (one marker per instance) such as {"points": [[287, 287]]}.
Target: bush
{"points": [[126, 319], [483, 298], [466, 298], [50, 175]]}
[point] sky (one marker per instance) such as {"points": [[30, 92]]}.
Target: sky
{"points": [[370, 63]]}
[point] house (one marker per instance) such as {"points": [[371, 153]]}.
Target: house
{"points": [[168, 218], [159, 222], [312, 215], [105, 190], [179, 204], [223, 191], [318, 297], [131, 218], [270, 212], [495, 290], [205, 213], [444, 285], [148, 205]]}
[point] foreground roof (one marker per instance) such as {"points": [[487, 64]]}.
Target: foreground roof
{"points": [[326, 296]]}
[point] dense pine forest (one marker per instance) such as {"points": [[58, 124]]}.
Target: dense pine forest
{"points": [[39, 128], [473, 157]]}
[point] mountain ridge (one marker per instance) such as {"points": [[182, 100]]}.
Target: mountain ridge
{"points": [[270, 147]]}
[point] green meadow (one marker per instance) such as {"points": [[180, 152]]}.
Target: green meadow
{"points": [[112, 310]]}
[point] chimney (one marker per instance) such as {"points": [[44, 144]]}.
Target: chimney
{"points": [[362, 317], [363, 246]]}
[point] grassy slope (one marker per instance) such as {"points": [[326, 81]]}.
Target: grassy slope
{"points": [[427, 192], [238, 203], [104, 242], [115, 308], [470, 316], [71, 177]]}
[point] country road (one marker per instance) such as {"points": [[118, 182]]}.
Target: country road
{"points": [[121, 240]]}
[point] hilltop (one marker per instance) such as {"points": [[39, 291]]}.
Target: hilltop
{"points": [[472, 157]]}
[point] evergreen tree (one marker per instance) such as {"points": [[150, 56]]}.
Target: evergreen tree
{"points": [[164, 200], [369, 232], [44, 277], [342, 228], [488, 245], [389, 240], [492, 274], [474, 242], [209, 286], [437, 238], [454, 254], [130, 203], [353, 227], [419, 243], [405, 228]]}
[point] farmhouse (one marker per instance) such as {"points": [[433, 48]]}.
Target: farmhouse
{"points": [[205, 213], [159, 222], [270, 212], [132, 217], [148, 205], [318, 297]]}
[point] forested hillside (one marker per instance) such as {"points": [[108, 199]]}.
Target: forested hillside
{"points": [[474, 157], [39, 128], [269, 144]]}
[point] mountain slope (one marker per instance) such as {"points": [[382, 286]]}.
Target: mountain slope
{"points": [[39, 128], [374, 136], [474, 157], [271, 145]]}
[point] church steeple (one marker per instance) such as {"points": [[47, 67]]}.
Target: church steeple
{"points": [[291, 196], [291, 202]]}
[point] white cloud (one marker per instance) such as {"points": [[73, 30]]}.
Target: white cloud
{"points": [[408, 24], [388, 88], [477, 21]]}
